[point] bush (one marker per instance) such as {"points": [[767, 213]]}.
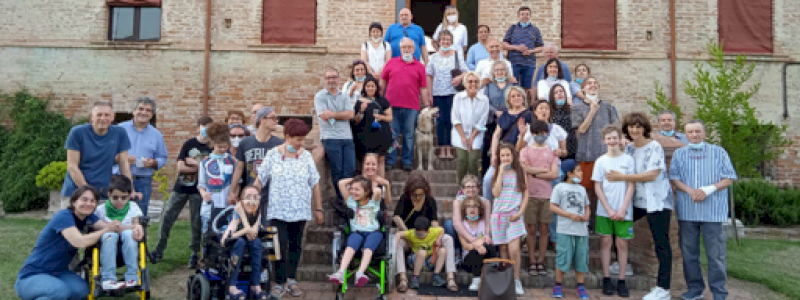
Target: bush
{"points": [[760, 202], [35, 140], [163, 186], [52, 175]]}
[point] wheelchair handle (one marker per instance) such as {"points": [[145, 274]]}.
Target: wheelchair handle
{"points": [[220, 215]]}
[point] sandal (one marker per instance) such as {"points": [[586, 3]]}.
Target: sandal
{"points": [[294, 288], [541, 268], [533, 270], [402, 286], [452, 285], [277, 291]]}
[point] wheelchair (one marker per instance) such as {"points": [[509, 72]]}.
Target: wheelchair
{"points": [[90, 269], [381, 265], [211, 281]]}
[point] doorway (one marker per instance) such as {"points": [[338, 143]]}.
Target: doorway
{"points": [[428, 14]]}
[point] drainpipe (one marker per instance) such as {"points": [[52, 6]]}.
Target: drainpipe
{"points": [[785, 100], [207, 58], [672, 57]]}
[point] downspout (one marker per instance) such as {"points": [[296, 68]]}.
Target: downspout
{"points": [[672, 55], [207, 58], [783, 78]]}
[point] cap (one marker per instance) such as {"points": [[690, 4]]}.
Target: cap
{"points": [[262, 113], [568, 165]]}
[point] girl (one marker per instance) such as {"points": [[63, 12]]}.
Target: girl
{"points": [[119, 208], [475, 219], [509, 124], [450, 23], [215, 172], [554, 76], [364, 226], [372, 128], [376, 52], [582, 72], [243, 229], [509, 187], [562, 116]]}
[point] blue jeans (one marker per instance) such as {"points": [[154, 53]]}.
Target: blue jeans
{"points": [[487, 184], [143, 185], [714, 237], [404, 122], [108, 255], [554, 223], [371, 240], [66, 286], [443, 123], [451, 230], [524, 75], [256, 249], [341, 154]]}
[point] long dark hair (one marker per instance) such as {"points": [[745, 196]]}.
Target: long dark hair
{"points": [[558, 64], [515, 165], [377, 86], [365, 183], [552, 98]]}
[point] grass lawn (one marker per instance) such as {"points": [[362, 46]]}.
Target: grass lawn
{"points": [[773, 263], [18, 237]]}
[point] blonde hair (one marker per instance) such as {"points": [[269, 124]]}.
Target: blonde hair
{"points": [[470, 178], [521, 92], [467, 75], [448, 9]]}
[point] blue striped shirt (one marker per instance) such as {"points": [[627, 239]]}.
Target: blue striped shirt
{"points": [[148, 143], [699, 168], [529, 36]]}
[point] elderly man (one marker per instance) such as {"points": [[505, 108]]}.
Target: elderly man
{"points": [[405, 29], [701, 173], [253, 111], [484, 67], [335, 110], [550, 50], [668, 136], [404, 81], [522, 40], [148, 151], [92, 150]]}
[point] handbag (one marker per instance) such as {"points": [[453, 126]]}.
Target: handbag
{"points": [[455, 72], [497, 280]]}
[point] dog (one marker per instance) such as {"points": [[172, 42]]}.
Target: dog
{"points": [[423, 136]]}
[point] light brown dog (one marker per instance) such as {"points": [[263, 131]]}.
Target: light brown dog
{"points": [[423, 137]]}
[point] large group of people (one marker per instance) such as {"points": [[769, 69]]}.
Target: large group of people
{"points": [[539, 151]]}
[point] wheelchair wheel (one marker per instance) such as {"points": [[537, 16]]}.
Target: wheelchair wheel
{"points": [[199, 288]]}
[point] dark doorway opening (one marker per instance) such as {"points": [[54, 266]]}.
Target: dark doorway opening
{"points": [[428, 14]]}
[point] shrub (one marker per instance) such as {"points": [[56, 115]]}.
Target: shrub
{"points": [[163, 185], [35, 140], [661, 103], [760, 202], [52, 175]]}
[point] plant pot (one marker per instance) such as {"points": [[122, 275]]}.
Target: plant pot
{"points": [[56, 203]]}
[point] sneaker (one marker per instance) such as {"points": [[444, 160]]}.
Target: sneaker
{"points": [[608, 287], [557, 292], [614, 269], [622, 289], [112, 285], [337, 278], [408, 168], [438, 280], [193, 262], [361, 279], [413, 282], [692, 296], [265, 276], [582, 293], [131, 283], [657, 293], [518, 287], [476, 284]]}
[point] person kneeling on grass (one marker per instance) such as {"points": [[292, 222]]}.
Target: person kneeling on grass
{"points": [[243, 229], [119, 208], [570, 202], [475, 225], [430, 245], [363, 207]]}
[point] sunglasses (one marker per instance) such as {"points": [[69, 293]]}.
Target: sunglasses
{"points": [[238, 135], [119, 198]]}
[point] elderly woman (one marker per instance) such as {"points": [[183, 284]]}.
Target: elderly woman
{"points": [[376, 52], [469, 115], [358, 74], [234, 117], [470, 186], [442, 83], [509, 124], [582, 71], [372, 123], [293, 183], [555, 75], [496, 92], [45, 274]]}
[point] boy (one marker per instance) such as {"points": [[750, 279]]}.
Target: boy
{"points": [[570, 202], [423, 240], [119, 208], [541, 166], [614, 214]]}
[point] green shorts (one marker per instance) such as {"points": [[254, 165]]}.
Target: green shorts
{"points": [[571, 248], [622, 229]]}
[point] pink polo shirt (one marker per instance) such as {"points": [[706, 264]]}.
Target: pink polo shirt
{"points": [[403, 82]]}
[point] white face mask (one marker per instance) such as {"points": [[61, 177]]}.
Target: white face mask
{"points": [[408, 57], [377, 40], [235, 142], [591, 97], [452, 19]]}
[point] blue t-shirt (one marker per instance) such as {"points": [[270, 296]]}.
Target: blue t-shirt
{"points": [[97, 154], [53, 253], [366, 218], [397, 32]]}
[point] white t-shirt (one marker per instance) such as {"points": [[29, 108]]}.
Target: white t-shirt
{"points": [[133, 212], [376, 56], [648, 158], [484, 68], [557, 134], [459, 35], [614, 191], [543, 89]]}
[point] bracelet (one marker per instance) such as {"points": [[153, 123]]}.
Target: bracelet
{"points": [[319, 210]]}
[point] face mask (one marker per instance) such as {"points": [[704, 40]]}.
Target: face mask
{"points": [[579, 80], [452, 19], [591, 97], [216, 156], [475, 218], [445, 48], [501, 79], [252, 128], [235, 142], [377, 40], [561, 102], [290, 148], [332, 121], [526, 24], [551, 78], [576, 180], [540, 139], [362, 78], [408, 57], [508, 167], [203, 131], [667, 133], [696, 146]]}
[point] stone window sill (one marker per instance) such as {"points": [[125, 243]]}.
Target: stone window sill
{"points": [[128, 45], [273, 48]]}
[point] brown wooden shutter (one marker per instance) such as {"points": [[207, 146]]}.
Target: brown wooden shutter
{"points": [[289, 22], [745, 26], [140, 3], [589, 24]]}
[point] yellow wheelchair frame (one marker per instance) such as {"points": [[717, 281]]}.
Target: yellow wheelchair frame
{"points": [[92, 269]]}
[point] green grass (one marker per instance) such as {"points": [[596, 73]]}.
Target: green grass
{"points": [[18, 236]]}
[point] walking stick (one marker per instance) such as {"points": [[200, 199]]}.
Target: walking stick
{"points": [[733, 214]]}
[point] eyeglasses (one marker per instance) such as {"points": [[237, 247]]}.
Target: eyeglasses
{"points": [[271, 117], [251, 198], [331, 77], [470, 186], [119, 198]]}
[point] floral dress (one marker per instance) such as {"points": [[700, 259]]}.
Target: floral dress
{"points": [[506, 205], [291, 181]]}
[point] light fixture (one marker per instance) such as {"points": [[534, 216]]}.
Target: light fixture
{"points": [[228, 23]]}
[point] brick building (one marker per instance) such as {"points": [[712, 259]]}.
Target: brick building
{"points": [[273, 51]]}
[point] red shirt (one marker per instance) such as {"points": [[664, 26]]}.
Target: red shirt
{"points": [[403, 81], [538, 157]]}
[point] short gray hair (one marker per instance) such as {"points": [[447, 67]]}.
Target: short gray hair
{"points": [[696, 121], [102, 103], [551, 45], [667, 111], [147, 100], [407, 39]]}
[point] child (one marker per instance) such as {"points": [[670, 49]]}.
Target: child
{"points": [[509, 187], [215, 172], [429, 247], [570, 202], [541, 165], [614, 214], [364, 226], [119, 208], [474, 222], [243, 230]]}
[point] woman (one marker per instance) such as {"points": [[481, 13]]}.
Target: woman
{"points": [[293, 182], [496, 92], [470, 186], [557, 139], [458, 31], [237, 132], [376, 52], [442, 83], [469, 115], [582, 71], [478, 51], [372, 123], [46, 274], [653, 197], [415, 202], [370, 170], [554, 76], [509, 125], [358, 74], [562, 116], [234, 117]]}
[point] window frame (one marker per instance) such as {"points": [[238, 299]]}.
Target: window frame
{"points": [[729, 51], [137, 23]]}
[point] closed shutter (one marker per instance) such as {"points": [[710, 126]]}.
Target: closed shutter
{"points": [[292, 22], [589, 24], [745, 26]]}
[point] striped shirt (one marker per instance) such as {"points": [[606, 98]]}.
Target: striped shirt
{"points": [[699, 168], [529, 36]]}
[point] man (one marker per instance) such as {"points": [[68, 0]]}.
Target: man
{"points": [[404, 81], [193, 152], [484, 67], [92, 149], [589, 117], [522, 40], [148, 151], [701, 173], [405, 29], [252, 150], [550, 50], [335, 109], [253, 111], [478, 51], [668, 137]]}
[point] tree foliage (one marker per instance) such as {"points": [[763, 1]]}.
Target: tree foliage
{"points": [[662, 102]]}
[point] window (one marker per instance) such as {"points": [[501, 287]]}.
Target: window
{"points": [[745, 26], [589, 24], [134, 20], [289, 22]]}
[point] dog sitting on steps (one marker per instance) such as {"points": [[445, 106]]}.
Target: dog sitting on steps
{"points": [[423, 136]]}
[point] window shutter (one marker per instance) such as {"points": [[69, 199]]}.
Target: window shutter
{"points": [[745, 26], [292, 22], [138, 3], [589, 24]]}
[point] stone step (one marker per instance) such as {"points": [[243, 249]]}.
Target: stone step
{"points": [[433, 177], [438, 164], [437, 190]]}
